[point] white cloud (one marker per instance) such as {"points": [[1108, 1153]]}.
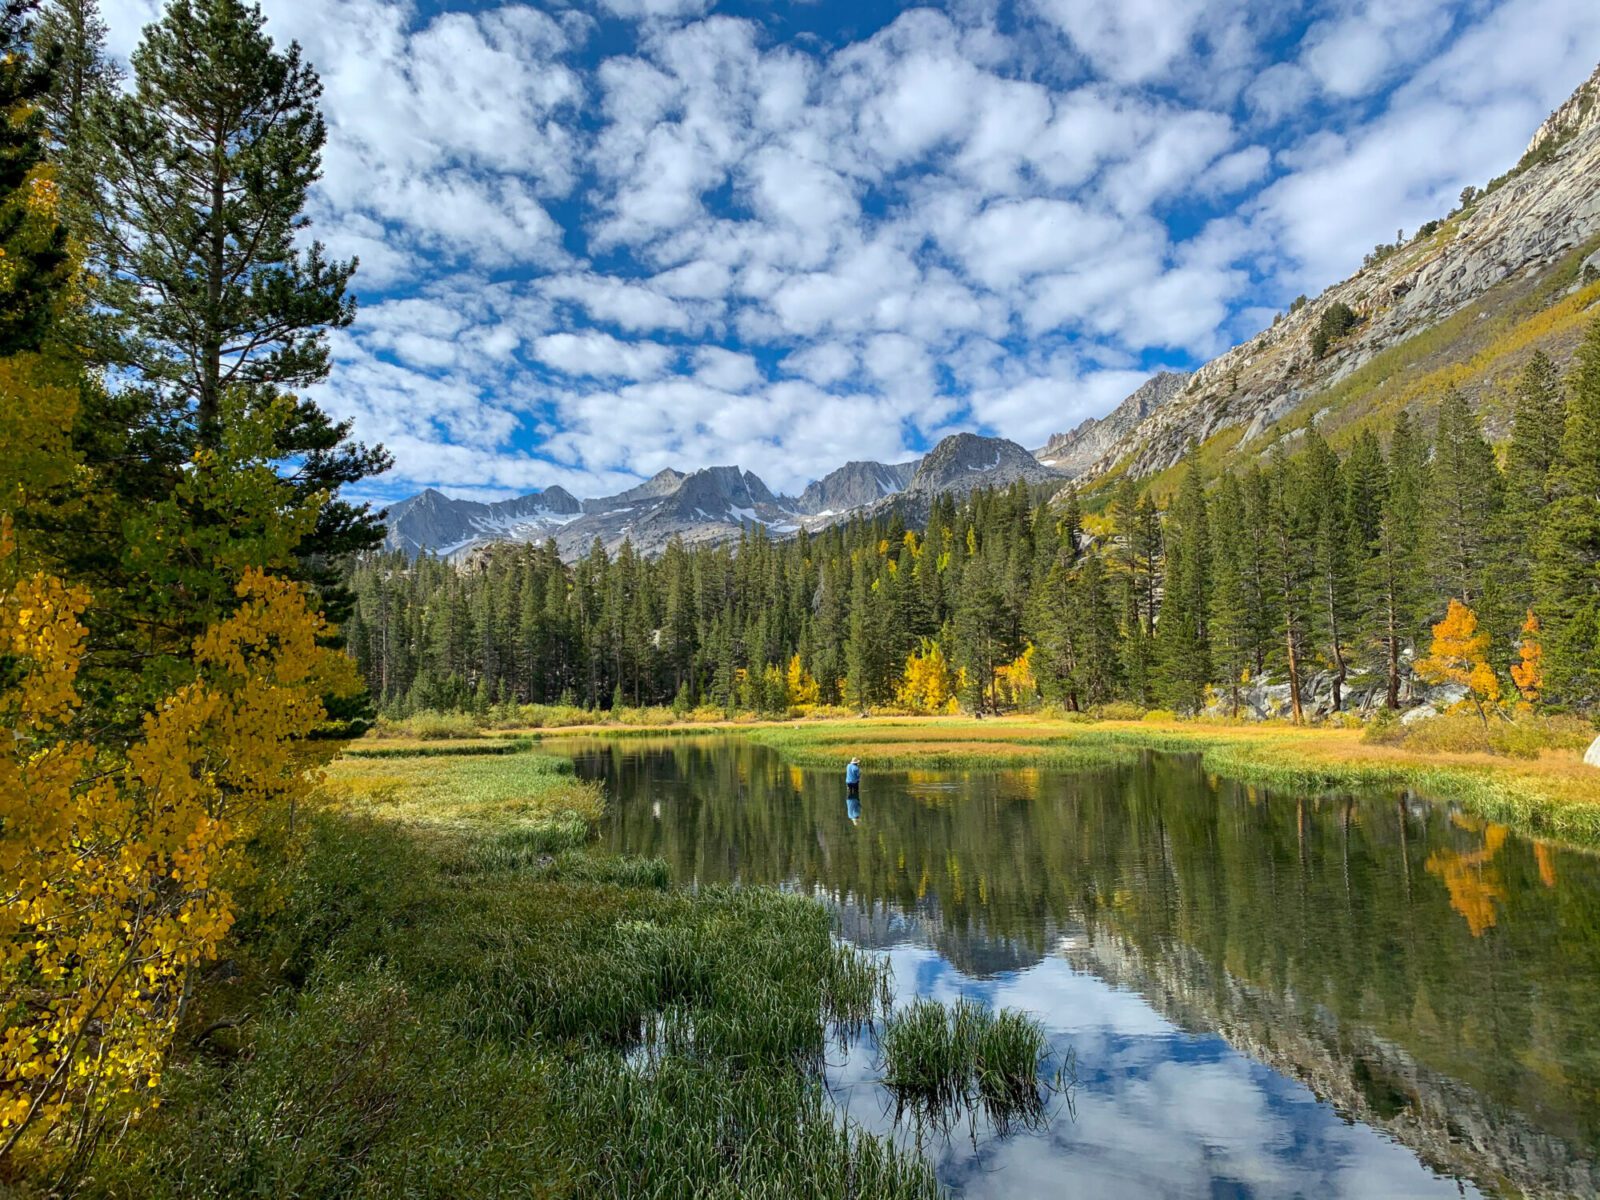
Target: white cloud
{"points": [[591, 249], [1131, 41], [598, 355]]}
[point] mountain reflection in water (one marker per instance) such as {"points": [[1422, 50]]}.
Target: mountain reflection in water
{"points": [[1266, 994]]}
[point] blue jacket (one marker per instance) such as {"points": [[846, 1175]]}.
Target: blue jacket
{"points": [[852, 773]]}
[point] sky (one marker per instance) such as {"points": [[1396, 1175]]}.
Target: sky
{"points": [[602, 238]]}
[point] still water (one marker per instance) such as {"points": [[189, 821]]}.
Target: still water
{"points": [[1265, 994]]}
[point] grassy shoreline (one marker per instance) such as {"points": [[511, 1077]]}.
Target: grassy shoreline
{"points": [[1553, 796], [453, 993]]}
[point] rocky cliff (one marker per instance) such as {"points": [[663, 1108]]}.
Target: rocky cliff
{"points": [[1076, 451], [964, 461], [853, 485]]}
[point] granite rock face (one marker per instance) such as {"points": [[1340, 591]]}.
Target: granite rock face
{"points": [[1545, 209], [1076, 451], [965, 461], [853, 485]]}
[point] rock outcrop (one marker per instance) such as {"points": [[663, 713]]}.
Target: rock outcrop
{"points": [[1076, 451], [965, 461]]}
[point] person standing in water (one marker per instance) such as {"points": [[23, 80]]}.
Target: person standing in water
{"points": [[852, 790]]}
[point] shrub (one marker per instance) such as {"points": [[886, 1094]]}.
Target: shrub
{"points": [[1159, 714], [649, 715], [1462, 732], [1337, 320], [428, 726], [1119, 710]]}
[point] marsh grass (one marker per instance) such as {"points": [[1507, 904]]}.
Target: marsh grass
{"points": [[455, 997], [414, 749], [1551, 794], [943, 1061]]}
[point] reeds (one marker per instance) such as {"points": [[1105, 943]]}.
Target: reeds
{"points": [[476, 747], [943, 1060]]}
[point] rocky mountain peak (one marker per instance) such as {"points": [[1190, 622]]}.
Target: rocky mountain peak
{"points": [[964, 461], [1076, 450], [852, 486]]}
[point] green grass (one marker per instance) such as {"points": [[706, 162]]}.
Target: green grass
{"points": [[1552, 796], [480, 746], [941, 1061], [459, 998], [892, 748]]}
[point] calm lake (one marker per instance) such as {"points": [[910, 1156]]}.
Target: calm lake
{"points": [[1265, 994]]}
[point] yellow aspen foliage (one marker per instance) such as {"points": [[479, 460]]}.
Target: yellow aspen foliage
{"points": [[929, 685], [1528, 673], [802, 687], [1460, 654], [1015, 682], [118, 868], [1472, 880]]}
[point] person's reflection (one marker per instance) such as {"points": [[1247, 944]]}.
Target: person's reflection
{"points": [[852, 807]]}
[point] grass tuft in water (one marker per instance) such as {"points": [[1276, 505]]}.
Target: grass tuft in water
{"points": [[941, 1060]]}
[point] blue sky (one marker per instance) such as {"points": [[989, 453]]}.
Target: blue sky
{"points": [[602, 238]]}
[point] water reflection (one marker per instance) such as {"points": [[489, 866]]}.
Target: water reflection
{"points": [[1217, 957]]}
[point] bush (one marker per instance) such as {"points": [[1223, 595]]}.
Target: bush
{"points": [[1159, 714], [428, 726], [827, 712], [1337, 320], [1527, 736], [649, 715], [1119, 710], [551, 716]]}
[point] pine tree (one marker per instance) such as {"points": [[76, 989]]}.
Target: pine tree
{"points": [[1328, 514], [1567, 576], [71, 35], [1464, 500], [1537, 424], [1231, 599], [202, 173], [1183, 646], [1291, 537]]}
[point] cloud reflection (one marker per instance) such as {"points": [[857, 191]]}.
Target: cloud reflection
{"points": [[1160, 1112]]}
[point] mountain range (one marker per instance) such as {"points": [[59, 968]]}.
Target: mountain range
{"points": [[710, 504], [1461, 304]]}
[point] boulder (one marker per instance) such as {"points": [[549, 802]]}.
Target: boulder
{"points": [[1593, 757], [1434, 701]]}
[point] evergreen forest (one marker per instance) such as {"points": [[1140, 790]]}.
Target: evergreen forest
{"points": [[1357, 578]]}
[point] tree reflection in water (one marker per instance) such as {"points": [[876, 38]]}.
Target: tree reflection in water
{"points": [[1433, 977]]}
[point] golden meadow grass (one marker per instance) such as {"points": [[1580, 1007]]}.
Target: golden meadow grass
{"points": [[1552, 794]]}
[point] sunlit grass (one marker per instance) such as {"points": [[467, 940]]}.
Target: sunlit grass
{"points": [[458, 997], [1552, 793], [493, 793]]}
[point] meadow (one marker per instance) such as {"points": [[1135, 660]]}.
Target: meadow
{"points": [[1527, 772], [451, 994], [1544, 789]]}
